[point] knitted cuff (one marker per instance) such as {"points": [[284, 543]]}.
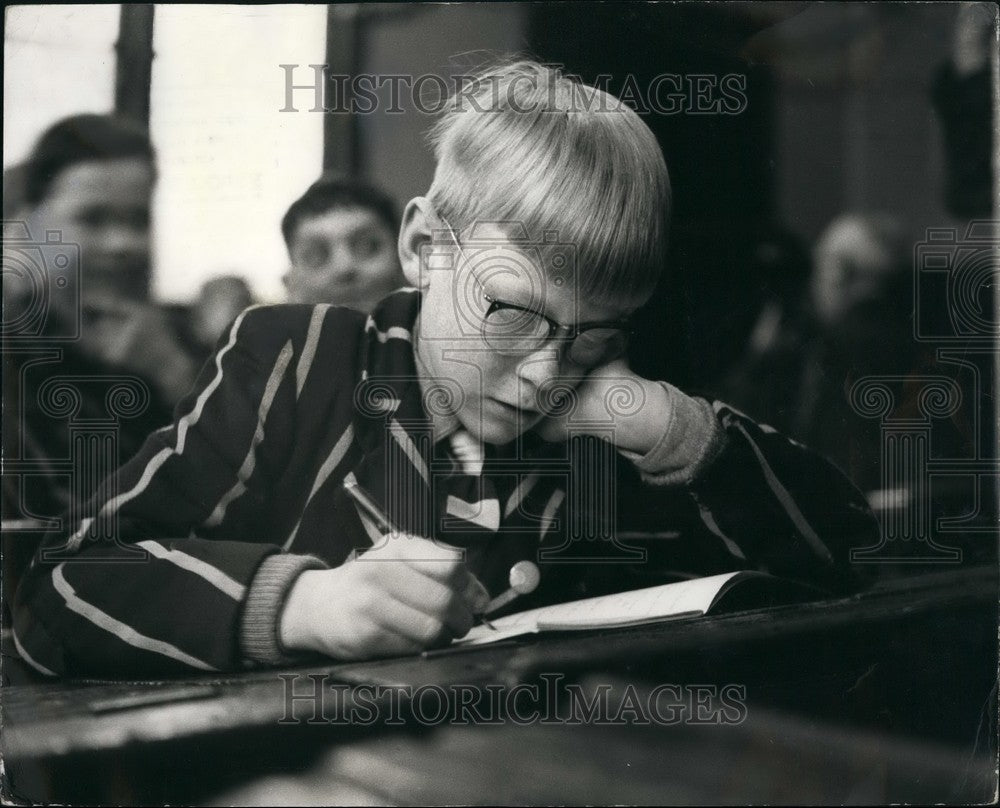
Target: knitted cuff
{"points": [[691, 440], [265, 598]]}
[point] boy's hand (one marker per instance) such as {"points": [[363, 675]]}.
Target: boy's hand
{"points": [[612, 395], [137, 337], [404, 596]]}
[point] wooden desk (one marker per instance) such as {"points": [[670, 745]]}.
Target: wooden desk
{"points": [[903, 671]]}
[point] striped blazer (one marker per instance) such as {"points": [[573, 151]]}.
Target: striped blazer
{"points": [[161, 576]]}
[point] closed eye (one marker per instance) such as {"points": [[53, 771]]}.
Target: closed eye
{"points": [[505, 305]]}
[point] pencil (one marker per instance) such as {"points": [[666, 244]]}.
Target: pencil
{"points": [[369, 506]]}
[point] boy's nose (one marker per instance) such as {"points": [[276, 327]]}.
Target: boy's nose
{"points": [[542, 366]]}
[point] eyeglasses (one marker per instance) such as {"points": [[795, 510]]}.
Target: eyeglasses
{"points": [[512, 329]]}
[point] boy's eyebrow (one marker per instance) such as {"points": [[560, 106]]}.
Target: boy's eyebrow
{"points": [[365, 227]]}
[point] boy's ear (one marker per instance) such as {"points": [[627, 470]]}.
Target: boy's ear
{"points": [[415, 234]]}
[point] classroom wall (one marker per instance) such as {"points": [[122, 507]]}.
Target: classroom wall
{"points": [[854, 125], [58, 61], [446, 40], [852, 121], [230, 163]]}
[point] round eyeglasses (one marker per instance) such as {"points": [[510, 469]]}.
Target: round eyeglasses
{"points": [[513, 329]]}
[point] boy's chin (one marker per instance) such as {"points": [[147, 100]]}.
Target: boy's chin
{"points": [[499, 431]]}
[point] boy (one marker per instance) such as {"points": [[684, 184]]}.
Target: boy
{"points": [[341, 239], [89, 181], [543, 230]]}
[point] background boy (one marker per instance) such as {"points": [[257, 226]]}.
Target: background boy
{"points": [[89, 179], [448, 404], [341, 239]]}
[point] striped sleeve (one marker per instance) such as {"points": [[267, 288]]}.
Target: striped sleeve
{"points": [[761, 501], [786, 509], [117, 598]]}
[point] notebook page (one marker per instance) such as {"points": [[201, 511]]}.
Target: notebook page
{"points": [[621, 608]]}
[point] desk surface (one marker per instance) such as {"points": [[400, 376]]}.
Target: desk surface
{"points": [[905, 667], [770, 758], [54, 718]]}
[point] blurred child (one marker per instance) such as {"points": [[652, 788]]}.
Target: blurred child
{"points": [[341, 239], [219, 302], [854, 320], [87, 184]]}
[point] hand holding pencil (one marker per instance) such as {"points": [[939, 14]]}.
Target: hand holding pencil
{"points": [[524, 575], [408, 594]]}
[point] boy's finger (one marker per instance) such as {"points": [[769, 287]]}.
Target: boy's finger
{"points": [[453, 606], [412, 628], [406, 546], [475, 594], [435, 618]]}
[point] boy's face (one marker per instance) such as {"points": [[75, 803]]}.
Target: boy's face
{"points": [[104, 206], [852, 278], [345, 256], [502, 391]]}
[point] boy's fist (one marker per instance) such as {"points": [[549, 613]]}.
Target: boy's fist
{"points": [[612, 395], [406, 595], [138, 337]]}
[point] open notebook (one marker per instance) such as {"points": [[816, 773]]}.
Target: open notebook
{"points": [[730, 591]]}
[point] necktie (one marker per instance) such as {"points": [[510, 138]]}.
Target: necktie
{"points": [[468, 452], [467, 511], [470, 511]]}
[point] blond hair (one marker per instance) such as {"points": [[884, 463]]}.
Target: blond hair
{"points": [[526, 143]]}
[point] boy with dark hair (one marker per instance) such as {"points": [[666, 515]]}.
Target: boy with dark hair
{"points": [[80, 139], [88, 182], [341, 239], [488, 411]]}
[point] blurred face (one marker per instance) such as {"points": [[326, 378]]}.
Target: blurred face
{"points": [[217, 309], [104, 206], [502, 390], [345, 256], [852, 276]]}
